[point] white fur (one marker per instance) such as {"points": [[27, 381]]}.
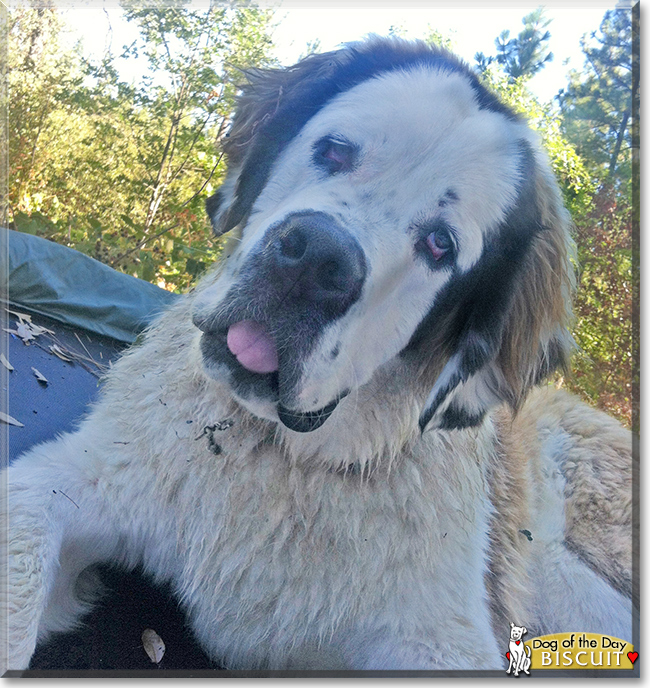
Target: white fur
{"points": [[273, 555], [569, 592]]}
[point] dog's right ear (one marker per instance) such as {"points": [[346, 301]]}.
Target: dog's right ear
{"points": [[508, 318]]}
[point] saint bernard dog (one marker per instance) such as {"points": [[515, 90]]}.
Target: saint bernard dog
{"points": [[337, 447]]}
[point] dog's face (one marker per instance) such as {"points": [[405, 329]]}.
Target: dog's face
{"points": [[517, 632], [398, 214]]}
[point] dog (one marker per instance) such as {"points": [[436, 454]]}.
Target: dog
{"points": [[518, 653], [337, 447]]}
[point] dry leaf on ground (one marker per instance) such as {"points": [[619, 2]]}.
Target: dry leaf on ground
{"points": [[153, 645], [56, 350], [39, 376], [38, 329], [10, 421], [27, 331], [24, 331], [21, 316]]}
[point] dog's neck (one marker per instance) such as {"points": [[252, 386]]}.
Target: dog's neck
{"points": [[369, 429], [372, 429]]}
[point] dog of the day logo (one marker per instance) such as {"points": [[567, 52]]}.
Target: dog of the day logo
{"points": [[518, 654], [568, 651]]}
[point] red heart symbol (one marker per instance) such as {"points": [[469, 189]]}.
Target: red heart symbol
{"points": [[507, 655], [517, 642], [632, 656]]}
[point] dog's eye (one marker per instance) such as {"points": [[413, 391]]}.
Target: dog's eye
{"points": [[439, 243], [335, 155]]}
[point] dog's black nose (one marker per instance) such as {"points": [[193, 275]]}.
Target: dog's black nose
{"points": [[311, 258]]}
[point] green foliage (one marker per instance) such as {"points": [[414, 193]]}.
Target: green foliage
{"points": [[42, 79], [597, 103], [575, 179], [121, 171], [525, 55], [596, 110], [435, 37], [603, 328], [602, 368]]}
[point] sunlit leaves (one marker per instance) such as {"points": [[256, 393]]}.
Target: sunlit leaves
{"points": [[580, 142], [597, 103], [119, 170], [602, 369]]}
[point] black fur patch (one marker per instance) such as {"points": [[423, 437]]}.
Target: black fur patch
{"points": [[480, 298], [442, 394], [212, 205], [479, 302], [455, 418]]}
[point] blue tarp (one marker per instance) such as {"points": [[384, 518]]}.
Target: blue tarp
{"points": [[59, 282]]}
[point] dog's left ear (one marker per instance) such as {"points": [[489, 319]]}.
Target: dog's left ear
{"points": [[508, 317]]}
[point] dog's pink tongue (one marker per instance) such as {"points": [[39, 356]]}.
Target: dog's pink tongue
{"points": [[253, 345]]}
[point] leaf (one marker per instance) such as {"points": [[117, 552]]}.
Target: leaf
{"points": [[24, 331], [194, 267], [55, 349], [5, 362], [21, 316], [128, 221], [39, 376], [153, 645], [10, 421], [37, 329]]}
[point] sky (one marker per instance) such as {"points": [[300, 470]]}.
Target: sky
{"points": [[472, 26]]}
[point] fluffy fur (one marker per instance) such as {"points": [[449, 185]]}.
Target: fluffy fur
{"points": [[385, 497]]}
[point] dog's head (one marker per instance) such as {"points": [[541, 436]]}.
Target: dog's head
{"points": [[517, 632], [387, 206]]}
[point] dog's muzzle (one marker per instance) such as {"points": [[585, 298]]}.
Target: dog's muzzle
{"points": [[307, 273]]}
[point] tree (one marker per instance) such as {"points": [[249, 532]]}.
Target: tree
{"points": [[42, 78], [180, 115], [126, 167], [437, 38], [602, 366], [597, 103], [597, 114], [525, 55]]}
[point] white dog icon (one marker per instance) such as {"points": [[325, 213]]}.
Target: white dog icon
{"points": [[518, 653]]}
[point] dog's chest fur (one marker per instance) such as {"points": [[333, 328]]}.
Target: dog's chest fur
{"points": [[288, 549]]}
